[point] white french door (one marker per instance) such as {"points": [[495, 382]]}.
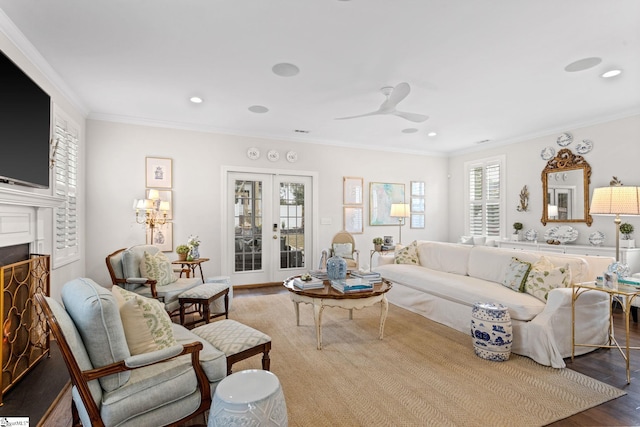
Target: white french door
{"points": [[269, 232]]}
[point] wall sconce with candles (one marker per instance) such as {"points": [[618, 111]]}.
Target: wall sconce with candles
{"points": [[152, 211], [400, 211]]}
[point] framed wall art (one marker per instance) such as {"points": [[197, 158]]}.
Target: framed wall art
{"points": [[381, 196], [162, 237], [352, 190], [353, 219], [417, 204], [158, 172]]}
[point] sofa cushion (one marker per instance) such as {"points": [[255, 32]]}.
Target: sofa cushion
{"points": [[343, 250], [462, 289], [408, 254], [147, 325], [516, 274], [544, 277], [449, 257], [212, 360], [96, 315], [157, 267]]}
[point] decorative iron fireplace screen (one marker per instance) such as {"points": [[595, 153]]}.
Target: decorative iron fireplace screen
{"points": [[25, 334]]}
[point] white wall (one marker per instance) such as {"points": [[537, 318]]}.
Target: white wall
{"points": [[116, 175], [616, 152]]}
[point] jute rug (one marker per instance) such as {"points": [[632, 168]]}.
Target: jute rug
{"points": [[420, 374]]}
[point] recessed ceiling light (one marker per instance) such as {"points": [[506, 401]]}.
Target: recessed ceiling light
{"points": [[285, 69], [258, 109], [432, 134], [582, 64], [611, 73], [409, 130], [195, 99]]}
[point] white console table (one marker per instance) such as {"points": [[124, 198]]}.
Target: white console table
{"points": [[631, 257]]}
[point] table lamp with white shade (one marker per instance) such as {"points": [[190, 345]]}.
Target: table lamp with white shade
{"points": [[616, 200], [552, 211], [400, 211]]}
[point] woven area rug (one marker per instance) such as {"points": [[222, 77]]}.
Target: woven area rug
{"points": [[422, 373]]}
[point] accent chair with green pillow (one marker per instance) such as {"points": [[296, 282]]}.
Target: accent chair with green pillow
{"points": [[171, 383], [126, 267]]}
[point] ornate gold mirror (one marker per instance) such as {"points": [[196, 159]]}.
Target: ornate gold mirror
{"points": [[565, 189]]}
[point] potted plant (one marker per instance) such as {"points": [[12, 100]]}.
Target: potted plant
{"points": [[517, 226], [182, 251], [377, 242], [627, 230]]}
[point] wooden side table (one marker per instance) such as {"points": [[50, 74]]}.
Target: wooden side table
{"points": [[196, 263], [624, 294]]}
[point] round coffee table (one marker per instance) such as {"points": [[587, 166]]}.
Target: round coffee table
{"points": [[328, 297]]}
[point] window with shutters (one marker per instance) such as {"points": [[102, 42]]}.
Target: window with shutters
{"points": [[65, 233], [484, 197]]}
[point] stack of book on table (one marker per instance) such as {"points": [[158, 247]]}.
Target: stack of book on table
{"points": [[351, 285], [308, 284], [319, 274], [371, 276]]}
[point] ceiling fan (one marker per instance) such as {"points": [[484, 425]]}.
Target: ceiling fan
{"points": [[394, 96]]}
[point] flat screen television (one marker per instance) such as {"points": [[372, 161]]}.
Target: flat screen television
{"points": [[25, 116]]}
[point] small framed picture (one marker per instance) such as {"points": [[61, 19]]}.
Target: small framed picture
{"points": [[353, 219], [158, 172], [162, 237], [417, 220], [352, 190], [417, 204], [417, 188]]}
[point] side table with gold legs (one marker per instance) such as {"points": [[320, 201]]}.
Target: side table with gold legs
{"points": [[624, 294]]}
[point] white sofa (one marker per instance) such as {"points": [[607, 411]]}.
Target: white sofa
{"points": [[452, 277]]}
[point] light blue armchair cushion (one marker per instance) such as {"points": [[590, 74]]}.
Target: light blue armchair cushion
{"points": [[169, 293], [77, 346], [131, 259], [212, 360], [96, 315]]}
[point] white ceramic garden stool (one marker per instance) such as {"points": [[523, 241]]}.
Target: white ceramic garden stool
{"points": [[218, 306], [491, 331], [249, 398]]}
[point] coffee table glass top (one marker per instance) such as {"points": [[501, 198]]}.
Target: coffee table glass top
{"points": [[328, 292]]}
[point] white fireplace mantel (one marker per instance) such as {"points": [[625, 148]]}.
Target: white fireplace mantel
{"points": [[11, 196]]}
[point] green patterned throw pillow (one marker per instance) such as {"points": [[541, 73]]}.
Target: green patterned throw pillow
{"points": [[408, 254], [516, 274], [147, 326], [544, 277], [157, 267]]}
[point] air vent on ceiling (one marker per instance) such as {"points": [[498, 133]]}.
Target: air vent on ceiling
{"points": [[301, 131], [483, 141]]}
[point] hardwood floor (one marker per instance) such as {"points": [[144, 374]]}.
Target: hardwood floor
{"points": [[605, 365]]}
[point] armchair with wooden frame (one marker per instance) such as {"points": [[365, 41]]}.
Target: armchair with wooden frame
{"points": [[111, 386], [344, 245]]}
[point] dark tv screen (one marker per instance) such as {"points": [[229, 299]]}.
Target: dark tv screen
{"points": [[25, 114]]}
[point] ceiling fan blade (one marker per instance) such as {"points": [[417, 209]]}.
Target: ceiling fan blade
{"points": [[400, 92], [412, 117], [374, 113]]}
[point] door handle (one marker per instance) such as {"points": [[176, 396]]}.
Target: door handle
{"points": [[275, 237]]}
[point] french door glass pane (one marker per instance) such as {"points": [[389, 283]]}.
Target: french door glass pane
{"points": [[248, 225], [291, 225]]}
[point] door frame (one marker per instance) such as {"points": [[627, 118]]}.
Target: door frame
{"points": [[226, 258]]}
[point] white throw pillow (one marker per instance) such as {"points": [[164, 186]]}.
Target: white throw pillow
{"points": [[343, 250], [466, 240], [147, 326], [157, 267], [544, 277]]}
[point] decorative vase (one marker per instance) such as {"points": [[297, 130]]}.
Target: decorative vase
{"points": [[195, 252], [378, 248], [336, 268], [628, 243], [182, 257], [491, 331]]}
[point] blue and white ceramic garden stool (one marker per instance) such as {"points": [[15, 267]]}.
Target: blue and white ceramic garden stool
{"points": [[491, 331]]}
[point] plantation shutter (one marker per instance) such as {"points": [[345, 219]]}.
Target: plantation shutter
{"points": [[66, 240], [485, 202]]}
